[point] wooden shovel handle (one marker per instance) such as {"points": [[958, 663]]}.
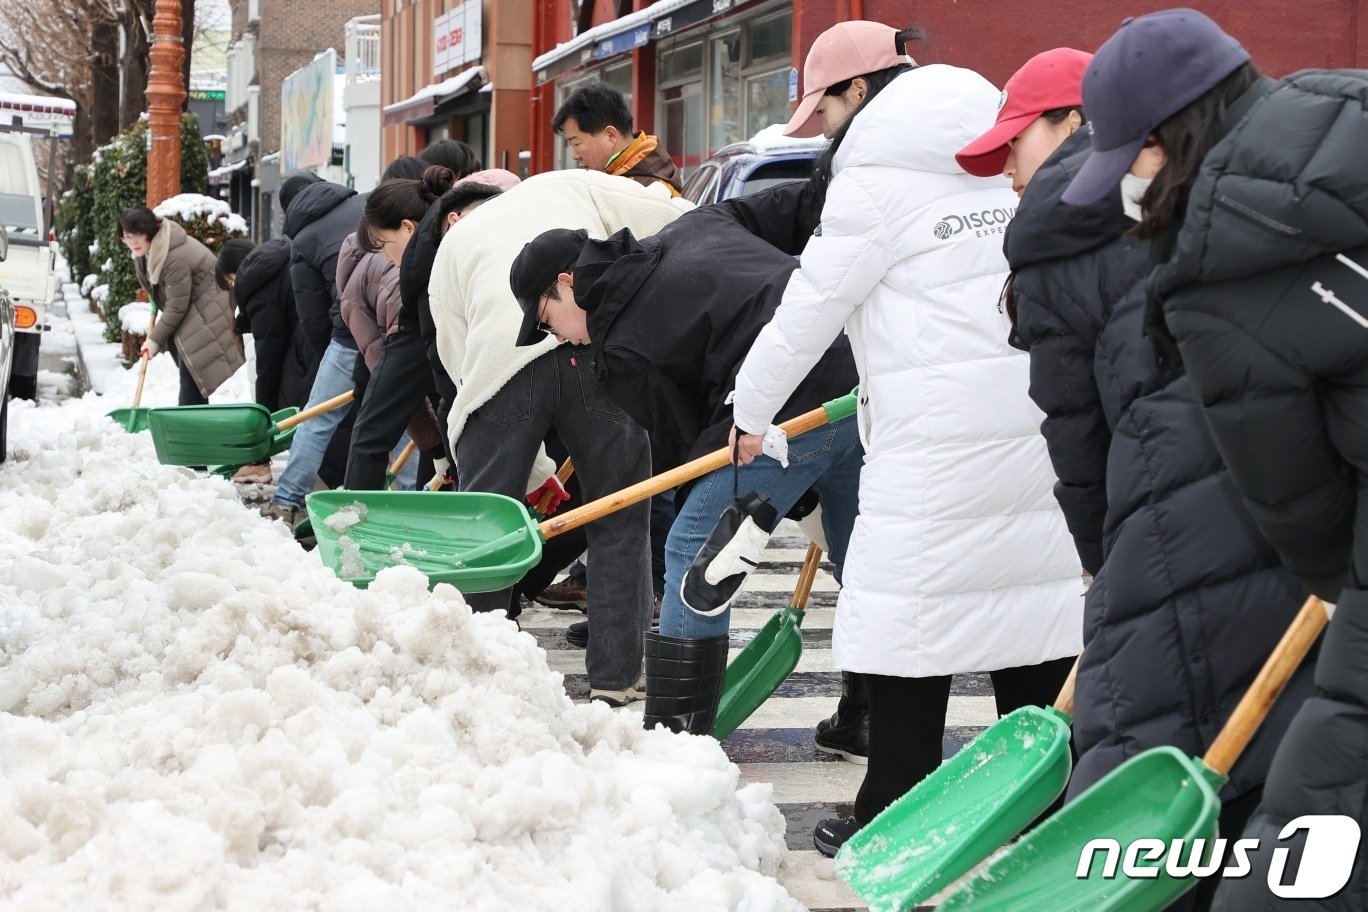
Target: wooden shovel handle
{"points": [[323, 407], [402, 459], [1065, 701], [563, 475], [142, 371], [1274, 675], [806, 577], [666, 481]]}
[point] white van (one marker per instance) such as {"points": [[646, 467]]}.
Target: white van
{"points": [[27, 273]]}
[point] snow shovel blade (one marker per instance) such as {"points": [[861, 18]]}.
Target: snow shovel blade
{"points": [[429, 531], [759, 669], [133, 420], [974, 803], [1161, 794], [280, 440], [203, 435]]}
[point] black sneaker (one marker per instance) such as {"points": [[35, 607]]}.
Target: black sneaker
{"points": [[577, 634], [832, 833], [846, 735]]}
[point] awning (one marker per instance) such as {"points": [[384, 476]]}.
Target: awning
{"points": [[222, 174], [425, 101], [627, 33]]}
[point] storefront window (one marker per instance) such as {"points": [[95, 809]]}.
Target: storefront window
{"points": [[742, 73], [681, 122], [724, 115]]}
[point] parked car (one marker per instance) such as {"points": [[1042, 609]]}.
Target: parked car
{"points": [[6, 349], [766, 160], [27, 273]]}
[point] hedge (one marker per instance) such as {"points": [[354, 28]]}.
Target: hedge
{"points": [[87, 221]]}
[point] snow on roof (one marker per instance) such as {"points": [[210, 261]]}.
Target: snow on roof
{"points": [[608, 29], [439, 89], [39, 104]]}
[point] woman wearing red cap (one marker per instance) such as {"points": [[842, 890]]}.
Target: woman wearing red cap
{"points": [[960, 560], [1188, 599], [1256, 200]]}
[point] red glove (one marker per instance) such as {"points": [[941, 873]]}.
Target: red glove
{"points": [[547, 499]]}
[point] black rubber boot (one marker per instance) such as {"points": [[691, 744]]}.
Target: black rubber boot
{"points": [[684, 682], [846, 733]]}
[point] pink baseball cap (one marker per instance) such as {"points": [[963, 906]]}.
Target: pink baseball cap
{"points": [[1049, 80], [497, 178], [844, 51]]}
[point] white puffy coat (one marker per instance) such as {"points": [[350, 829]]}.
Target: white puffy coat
{"points": [[960, 559]]}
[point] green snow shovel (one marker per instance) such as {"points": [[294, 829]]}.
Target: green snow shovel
{"points": [[974, 803], [280, 442], [392, 473], [480, 542], [767, 661], [238, 434], [1161, 795], [134, 420]]}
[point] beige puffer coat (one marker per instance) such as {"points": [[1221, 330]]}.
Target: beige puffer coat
{"points": [[193, 313]]}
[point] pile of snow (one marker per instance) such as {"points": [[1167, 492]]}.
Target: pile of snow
{"points": [[195, 714], [186, 207]]}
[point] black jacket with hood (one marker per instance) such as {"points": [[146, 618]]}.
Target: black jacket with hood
{"points": [[319, 219], [1188, 598], [671, 317], [285, 363], [415, 270], [1282, 374]]}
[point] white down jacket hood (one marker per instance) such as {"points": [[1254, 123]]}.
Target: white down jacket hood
{"points": [[960, 560]]}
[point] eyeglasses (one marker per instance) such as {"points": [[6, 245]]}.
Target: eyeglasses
{"points": [[542, 325]]}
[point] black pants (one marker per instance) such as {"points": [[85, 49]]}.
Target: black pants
{"points": [[396, 390], [189, 390], [495, 454], [907, 725]]}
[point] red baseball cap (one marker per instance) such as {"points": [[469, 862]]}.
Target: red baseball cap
{"points": [[844, 51], [1049, 80]]}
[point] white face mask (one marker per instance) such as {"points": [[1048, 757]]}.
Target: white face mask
{"points": [[1132, 191]]}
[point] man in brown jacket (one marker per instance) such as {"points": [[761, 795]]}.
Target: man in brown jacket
{"points": [[596, 124]]}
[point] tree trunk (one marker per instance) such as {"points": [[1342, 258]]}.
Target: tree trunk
{"points": [[104, 82], [82, 147], [134, 69], [188, 37]]}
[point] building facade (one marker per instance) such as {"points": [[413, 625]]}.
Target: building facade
{"points": [[271, 39], [704, 73], [457, 69]]}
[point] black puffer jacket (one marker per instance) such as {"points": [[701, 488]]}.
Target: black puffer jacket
{"points": [[1282, 373], [672, 317], [415, 270], [786, 215], [285, 363], [319, 218], [1188, 600]]}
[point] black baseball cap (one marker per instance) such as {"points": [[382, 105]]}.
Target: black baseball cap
{"points": [[535, 269], [1152, 68]]}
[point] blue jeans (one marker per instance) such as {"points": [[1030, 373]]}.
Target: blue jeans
{"points": [[311, 438], [828, 459]]}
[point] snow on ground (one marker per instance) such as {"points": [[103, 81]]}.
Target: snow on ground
{"points": [[195, 714]]}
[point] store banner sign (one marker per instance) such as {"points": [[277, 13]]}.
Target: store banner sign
{"points": [[457, 37], [626, 41]]}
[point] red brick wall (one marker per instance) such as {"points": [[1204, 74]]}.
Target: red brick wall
{"points": [[292, 33]]}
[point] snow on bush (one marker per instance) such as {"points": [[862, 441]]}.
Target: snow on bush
{"points": [[189, 207], [195, 714], [134, 317]]}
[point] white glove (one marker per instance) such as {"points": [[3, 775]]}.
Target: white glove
{"points": [[150, 348], [440, 465]]}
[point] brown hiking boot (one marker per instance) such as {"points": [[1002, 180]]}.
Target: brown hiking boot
{"points": [[566, 595]]}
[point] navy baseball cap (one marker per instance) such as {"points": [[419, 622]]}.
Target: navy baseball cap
{"points": [[1152, 68], [536, 268]]}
